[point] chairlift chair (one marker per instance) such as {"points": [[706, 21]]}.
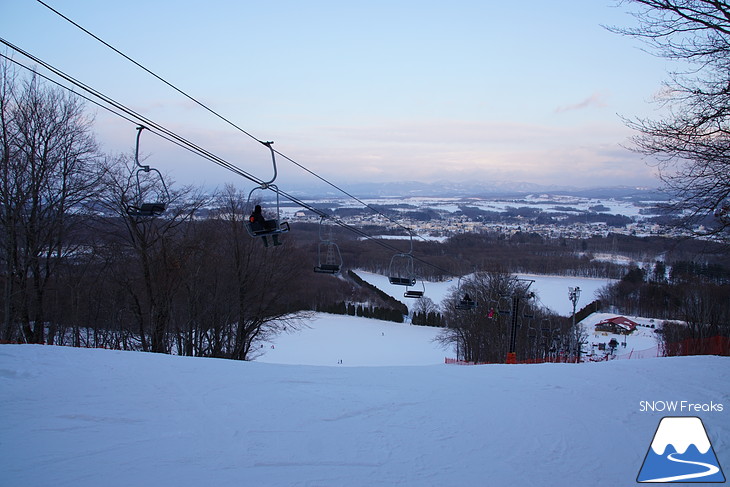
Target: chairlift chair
{"points": [[329, 259], [273, 226], [504, 305], [400, 271], [327, 269], [531, 314], [465, 303], [415, 293], [145, 209]]}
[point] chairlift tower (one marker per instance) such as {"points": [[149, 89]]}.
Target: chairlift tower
{"points": [[574, 296], [512, 354]]}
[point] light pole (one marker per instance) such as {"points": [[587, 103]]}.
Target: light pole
{"points": [[574, 296]]}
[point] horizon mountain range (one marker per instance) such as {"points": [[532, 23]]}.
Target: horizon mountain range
{"points": [[444, 189]]}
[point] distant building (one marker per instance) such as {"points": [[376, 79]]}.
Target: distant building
{"points": [[618, 324]]}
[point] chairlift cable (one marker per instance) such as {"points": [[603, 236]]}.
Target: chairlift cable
{"points": [[76, 93], [221, 117], [139, 65], [138, 118], [119, 114]]}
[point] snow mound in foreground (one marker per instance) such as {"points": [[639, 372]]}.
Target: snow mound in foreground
{"points": [[81, 417]]}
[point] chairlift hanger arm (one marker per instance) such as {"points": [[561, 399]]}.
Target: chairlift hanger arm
{"points": [[269, 144], [147, 168], [136, 150], [268, 184]]}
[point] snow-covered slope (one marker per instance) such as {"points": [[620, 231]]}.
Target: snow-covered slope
{"points": [[552, 291], [81, 417], [354, 341]]}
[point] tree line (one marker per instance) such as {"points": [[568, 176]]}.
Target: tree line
{"points": [[364, 311], [696, 295], [502, 306]]}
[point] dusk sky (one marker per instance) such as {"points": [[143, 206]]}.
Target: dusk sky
{"points": [[428, 91]]}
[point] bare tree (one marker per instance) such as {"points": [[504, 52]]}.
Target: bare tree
{"points": [[151, 246], [262, 277], [421, 309], [48, 157], [692, 143], [481, 334]]}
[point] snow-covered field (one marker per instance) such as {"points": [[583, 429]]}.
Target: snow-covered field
{"points": [[552, 291], [87, 417], [549, 203]]}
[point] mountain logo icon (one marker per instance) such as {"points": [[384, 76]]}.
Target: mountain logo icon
{"points": [[680, 452]]}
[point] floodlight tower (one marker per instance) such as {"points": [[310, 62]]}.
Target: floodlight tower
{"points": [[574, 296]]}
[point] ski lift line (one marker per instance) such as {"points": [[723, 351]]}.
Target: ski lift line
{"points": [[216, 114], [170, 136], [166, 134], [138, 118], [76, 93], [159, 130], [114, 112], [346, 193], [150, 72]]}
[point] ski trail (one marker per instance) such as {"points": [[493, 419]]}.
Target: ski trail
{"points": [[711, 470]]}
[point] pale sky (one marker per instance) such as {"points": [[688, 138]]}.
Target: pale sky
{"points": [[390, 90]]}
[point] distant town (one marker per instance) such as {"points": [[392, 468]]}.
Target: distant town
{"points": [[551, 216]]}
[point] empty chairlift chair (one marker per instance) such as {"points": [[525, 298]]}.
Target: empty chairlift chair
{"points": [[329, 258], [401, 273], [415, 293], [150, 207]]}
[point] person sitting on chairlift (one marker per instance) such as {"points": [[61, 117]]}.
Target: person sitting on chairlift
{"points": [[260, 224]]}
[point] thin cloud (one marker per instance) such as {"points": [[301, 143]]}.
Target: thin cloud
{"points": [[596, 100]]}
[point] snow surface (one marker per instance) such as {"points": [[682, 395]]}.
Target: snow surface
{"points": [[355, 341], [91, 417], [552, 291]]}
